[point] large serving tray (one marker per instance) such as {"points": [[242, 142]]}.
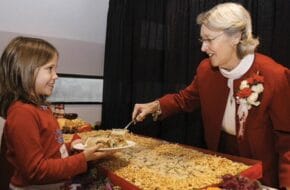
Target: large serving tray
{"points": [[253, 172]]}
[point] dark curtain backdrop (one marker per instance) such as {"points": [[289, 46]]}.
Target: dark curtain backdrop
{"points": [[152, 49]]}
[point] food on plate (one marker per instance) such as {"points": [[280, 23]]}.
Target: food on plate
{"points": [[107, 139], [107, 142]]}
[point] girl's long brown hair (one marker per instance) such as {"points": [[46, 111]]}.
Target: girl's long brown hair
{"points": [[19, 63]]}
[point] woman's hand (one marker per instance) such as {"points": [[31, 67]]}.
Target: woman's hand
{"points": [[92, 153], [142, 110]]}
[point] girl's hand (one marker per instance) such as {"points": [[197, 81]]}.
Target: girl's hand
{"points": [[92, 153]]}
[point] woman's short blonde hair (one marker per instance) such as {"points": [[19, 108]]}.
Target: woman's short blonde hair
{"points": [[231, 18]]}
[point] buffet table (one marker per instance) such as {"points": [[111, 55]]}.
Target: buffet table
{"points": [[158, 164]]}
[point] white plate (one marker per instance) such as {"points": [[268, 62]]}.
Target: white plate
{"points": [[81, 146]]}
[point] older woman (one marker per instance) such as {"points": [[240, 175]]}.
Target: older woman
{"points": [[243, 95]]}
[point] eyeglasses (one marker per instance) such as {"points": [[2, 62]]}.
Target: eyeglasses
{"points": [[209, 40]]}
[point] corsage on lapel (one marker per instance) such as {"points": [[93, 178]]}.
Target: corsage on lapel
{"points": [[248, 96]]}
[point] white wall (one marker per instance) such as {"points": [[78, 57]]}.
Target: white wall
{"points": [[77, 28], [83, 20]]}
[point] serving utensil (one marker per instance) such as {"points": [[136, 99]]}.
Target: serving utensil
{"points": [[126, 127]]}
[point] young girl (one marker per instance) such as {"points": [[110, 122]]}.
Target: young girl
{"points": [[34, 142]]}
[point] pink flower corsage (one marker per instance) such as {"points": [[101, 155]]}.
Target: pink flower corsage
{"points": [[247, 97]]}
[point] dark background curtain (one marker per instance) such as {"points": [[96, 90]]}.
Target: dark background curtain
{"points": [[152, 49]]}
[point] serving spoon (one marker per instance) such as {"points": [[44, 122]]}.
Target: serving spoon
{"points": [[126, 127]]}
